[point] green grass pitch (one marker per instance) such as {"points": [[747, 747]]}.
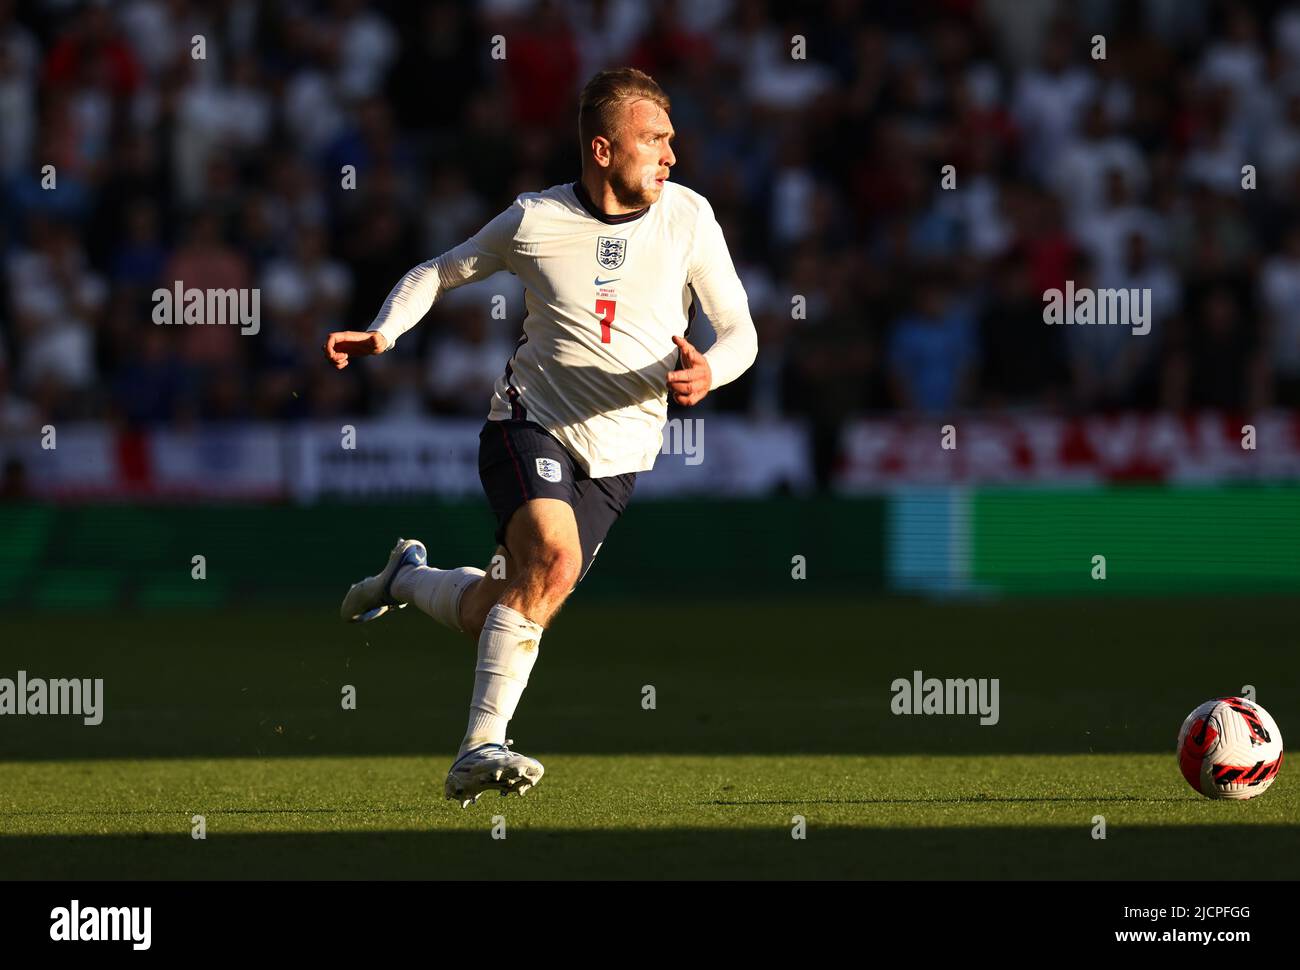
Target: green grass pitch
{"points": [[764, 712]]}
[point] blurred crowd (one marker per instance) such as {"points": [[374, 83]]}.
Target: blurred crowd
{"points": [[876, 287]]}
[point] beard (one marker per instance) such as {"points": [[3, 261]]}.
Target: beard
{"points": [[634, 189]]}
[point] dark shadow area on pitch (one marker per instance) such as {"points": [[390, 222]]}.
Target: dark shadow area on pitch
{"points": [[1172, 852], [793, 676]]}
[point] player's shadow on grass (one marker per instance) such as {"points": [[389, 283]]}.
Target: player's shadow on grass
{"points": [[159, 812], [407, 809], [769, 852], [966, 800]]}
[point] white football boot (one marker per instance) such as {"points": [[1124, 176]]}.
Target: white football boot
{"points": [[373, 596], [491, 767]]}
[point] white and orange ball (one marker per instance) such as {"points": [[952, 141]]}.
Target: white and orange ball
{"points": [[1230, 748]]}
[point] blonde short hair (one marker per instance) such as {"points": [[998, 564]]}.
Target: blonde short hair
{"points": [[601, 98]]}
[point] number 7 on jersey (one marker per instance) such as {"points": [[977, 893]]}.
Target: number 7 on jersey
{"points": [[605, 309]]}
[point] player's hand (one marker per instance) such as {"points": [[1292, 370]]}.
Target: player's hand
{"points": [[343, 344], [689, 385]]}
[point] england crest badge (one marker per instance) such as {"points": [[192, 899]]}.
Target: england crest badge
{"points": [[610, 252], [548, 469]]}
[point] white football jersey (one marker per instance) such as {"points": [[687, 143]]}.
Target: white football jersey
{"points": [[604, 296]]}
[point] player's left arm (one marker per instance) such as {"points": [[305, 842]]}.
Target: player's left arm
{"points": [[722, 298]]}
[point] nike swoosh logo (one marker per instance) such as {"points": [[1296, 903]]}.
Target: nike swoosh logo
{"points": [[600, 282]]}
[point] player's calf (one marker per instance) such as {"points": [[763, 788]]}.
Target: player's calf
{"points": [[438, 592], [479, 598]]}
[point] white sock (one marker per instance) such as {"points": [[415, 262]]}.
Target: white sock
{"points": [[435, 591], [507, 650]]}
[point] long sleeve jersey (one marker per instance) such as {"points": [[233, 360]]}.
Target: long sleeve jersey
{"points": [[604, 297]]}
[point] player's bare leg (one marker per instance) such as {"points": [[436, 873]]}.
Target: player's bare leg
{"points": [[538, 580], [544, 535], [484, 594]]}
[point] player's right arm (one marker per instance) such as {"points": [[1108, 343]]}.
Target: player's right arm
{"points": [[483, 254]]}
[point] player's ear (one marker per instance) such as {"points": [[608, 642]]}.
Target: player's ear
{"points": [[601, 148]]}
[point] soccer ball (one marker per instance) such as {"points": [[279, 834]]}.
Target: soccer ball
{"points": [[1230, 748]]}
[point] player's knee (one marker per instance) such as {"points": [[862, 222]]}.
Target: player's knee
{"points": [[556, 567]]}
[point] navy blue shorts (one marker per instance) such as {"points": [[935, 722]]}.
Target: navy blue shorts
{"points": [[520, 460]]}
